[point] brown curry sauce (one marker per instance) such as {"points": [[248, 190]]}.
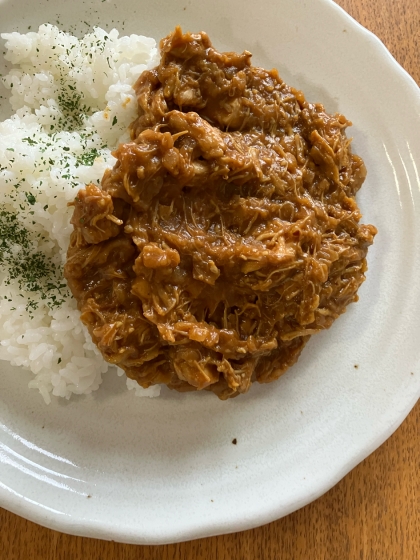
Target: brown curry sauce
{"points": [[227, 232]]}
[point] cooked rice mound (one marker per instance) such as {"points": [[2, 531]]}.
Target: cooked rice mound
{"points": [[72, 101]]}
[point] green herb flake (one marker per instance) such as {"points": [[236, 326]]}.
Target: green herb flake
{"points": [[88, 157], [29, 141], [30, 198]]}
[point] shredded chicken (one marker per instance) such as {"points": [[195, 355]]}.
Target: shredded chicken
{"points": [[226, 234]]}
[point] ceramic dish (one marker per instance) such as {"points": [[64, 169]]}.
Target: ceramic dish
{"points": [[165, 470]]}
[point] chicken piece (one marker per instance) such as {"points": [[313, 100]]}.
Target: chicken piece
{"points": [[93, 217]]}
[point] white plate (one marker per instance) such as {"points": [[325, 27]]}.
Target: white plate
{"points": [[157, 471]]}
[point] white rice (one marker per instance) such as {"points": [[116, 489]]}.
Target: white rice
{"points": [[72, 101]]}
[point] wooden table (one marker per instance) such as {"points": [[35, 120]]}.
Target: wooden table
{"points": [[372, 514]]}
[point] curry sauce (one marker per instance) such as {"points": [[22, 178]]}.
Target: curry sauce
{"points": [[227, 232]]}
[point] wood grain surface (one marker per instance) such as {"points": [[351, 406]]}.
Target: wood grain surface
{"points": [[372, 514]]}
